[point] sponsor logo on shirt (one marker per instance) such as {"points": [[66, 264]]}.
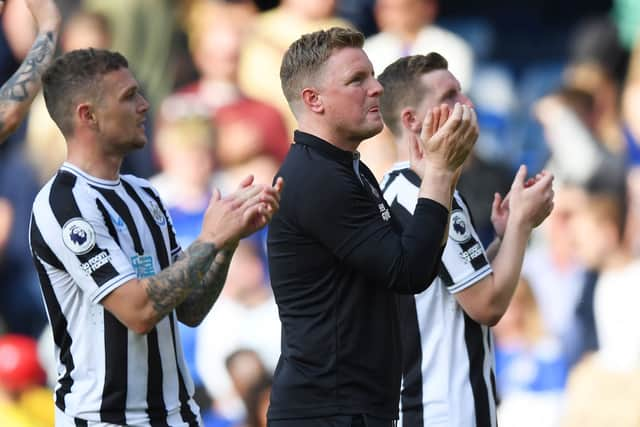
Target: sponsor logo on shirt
{"points": [[459, 230], [143, 265], [118, 222], [472, 253], [78, 236], [96, 262]]}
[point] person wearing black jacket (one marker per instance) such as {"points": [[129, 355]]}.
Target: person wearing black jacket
{"points": [[337, 257]]}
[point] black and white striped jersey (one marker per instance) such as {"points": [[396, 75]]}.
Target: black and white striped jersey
{"points": [[89, 236], [448, 362]]}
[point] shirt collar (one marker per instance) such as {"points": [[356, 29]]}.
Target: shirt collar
{"points": [[325, 147]]}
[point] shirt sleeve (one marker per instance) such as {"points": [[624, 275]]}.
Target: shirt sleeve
{"points": [[74, 237], [364, 235], [464, 260]]}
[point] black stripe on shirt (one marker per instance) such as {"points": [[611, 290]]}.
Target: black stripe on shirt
{"points": [[80, 423], [122, 210], [185, 410], [64, 207], [156, 407], [411, 396], [444, 275], [114, 392], [40, 247], [108, 222], [491, 373], [173, 241], [475, 350], [156, 232], [59, 327]]}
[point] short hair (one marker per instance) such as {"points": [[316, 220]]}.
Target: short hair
{"points": [[305, 57], [402, 87], [73, 74]]}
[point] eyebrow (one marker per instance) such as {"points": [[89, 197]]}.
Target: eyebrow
{"points": [[128, 90], [448, 93]]}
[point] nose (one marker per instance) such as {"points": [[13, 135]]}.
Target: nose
{"points": [[144, 105], [376, 88]]}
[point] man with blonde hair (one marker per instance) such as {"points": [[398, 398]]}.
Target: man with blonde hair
{"points": [[336, 254]]}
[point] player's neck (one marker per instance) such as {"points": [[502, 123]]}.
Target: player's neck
{"points": [[95, 164]]}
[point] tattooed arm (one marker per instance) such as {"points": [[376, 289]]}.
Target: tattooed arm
{"points": [[193, 310], [17, 93], [140, 304]]}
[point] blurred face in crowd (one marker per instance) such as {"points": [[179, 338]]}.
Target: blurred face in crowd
{"points": [[312, 9], [402, 16], [120, 112], [350, 95], [83, 32], [595, 238], [185, 148], [218, 51]]}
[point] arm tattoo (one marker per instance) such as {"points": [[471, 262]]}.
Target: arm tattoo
{"points": [[18, 92], [172, 286], [197, 305]]}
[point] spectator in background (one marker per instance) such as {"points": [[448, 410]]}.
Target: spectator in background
{"points": [[247, 303], [597, 65], [257, 402], [531, 368], [407, 27], [557, 277], [246, 128], [17, 93], [273, 32], [20, 304], [24, 399], [604, 389]]}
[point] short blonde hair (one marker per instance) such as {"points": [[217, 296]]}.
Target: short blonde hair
{"points": [[305, 57]]}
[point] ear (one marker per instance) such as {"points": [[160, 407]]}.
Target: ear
{"points": [[312, 100], [85, 115], [409, 120]]}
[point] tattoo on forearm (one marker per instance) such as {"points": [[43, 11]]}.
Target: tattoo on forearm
{"points": [[198, 304], [172, 286], [23, 85]]}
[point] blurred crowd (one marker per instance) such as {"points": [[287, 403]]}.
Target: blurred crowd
{"points": [[568, 349]]}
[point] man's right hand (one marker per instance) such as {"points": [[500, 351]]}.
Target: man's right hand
{"points": [[230, 218], [45, 13], [530, 201], [446, 146]]}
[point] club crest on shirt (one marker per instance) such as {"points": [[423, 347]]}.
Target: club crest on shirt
{"points": [[459, 230], [78, 235], [156, 212]]}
